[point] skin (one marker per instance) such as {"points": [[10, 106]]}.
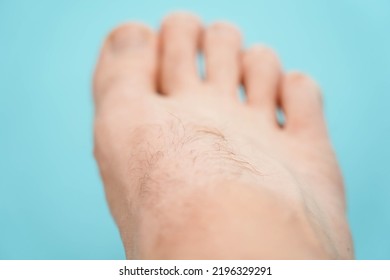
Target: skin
{"points": [[191, 172]]}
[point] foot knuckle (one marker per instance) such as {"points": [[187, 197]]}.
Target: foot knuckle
{"points": [[113, 84]]}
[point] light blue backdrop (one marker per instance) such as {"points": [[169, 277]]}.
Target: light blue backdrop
{"points": [[51, 199]]}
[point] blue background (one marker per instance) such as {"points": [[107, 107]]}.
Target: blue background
{"points": [[52, 203]]}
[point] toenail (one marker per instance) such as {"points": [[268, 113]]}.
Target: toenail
{"points": [[129, 37], [262, 50], [224, 26], [225, 29], [261, 53], [301, 78], [182, 16], [180, 20]]}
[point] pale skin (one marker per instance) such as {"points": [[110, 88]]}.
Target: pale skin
{"points": [[192, 172]]}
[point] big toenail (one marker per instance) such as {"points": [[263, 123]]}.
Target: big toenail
{"points": [[127, 38]]}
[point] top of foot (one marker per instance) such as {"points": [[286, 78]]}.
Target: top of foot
{"points": [[157, 119]]}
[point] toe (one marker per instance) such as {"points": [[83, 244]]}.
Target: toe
{"points": [[302, 104], [127, 63], [221, 46], [180, 34], [261, 76]]}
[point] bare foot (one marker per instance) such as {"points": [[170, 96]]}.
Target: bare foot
{"points": [[162, 133]]}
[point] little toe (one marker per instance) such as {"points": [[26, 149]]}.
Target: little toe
{"points": [[302, 104], [127, 63], [221, 46], [261, 77], [179, 37]]}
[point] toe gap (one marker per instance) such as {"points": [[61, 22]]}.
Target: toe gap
{"points": [[280, 117], [241, 94], [201, 65]]}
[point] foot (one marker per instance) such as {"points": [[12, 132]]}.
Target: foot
{"points": [[162, 131]]}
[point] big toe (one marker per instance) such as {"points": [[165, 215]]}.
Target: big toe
{"points": [[127, 64]]}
